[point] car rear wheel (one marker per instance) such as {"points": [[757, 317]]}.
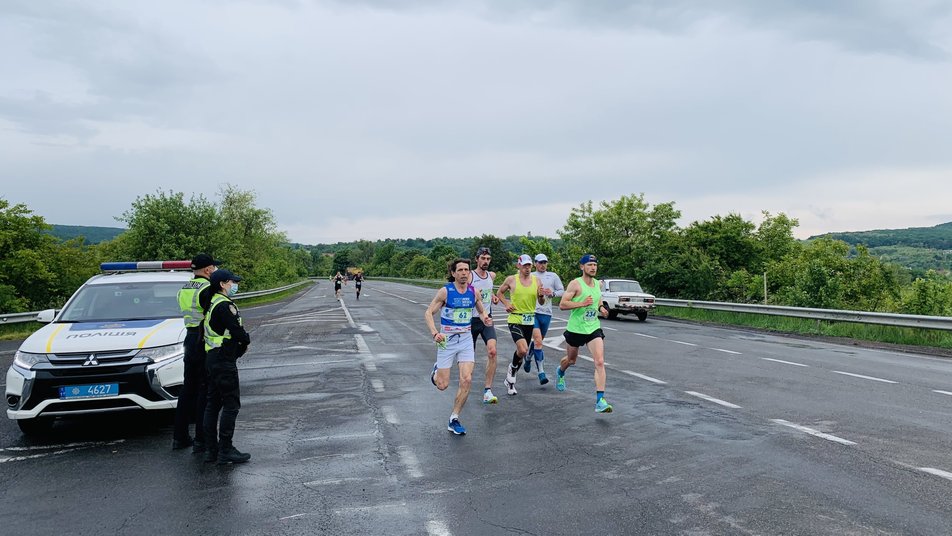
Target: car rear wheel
{"points": [[612, 313], [642, 315], [35, 427]]}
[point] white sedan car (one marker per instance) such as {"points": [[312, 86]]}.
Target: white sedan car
{"points": [[625, 296]]}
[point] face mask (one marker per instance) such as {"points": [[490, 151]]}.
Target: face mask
{"points": [[233, 290]]}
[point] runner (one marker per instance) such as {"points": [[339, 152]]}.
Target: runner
{"points": [[358, 281], [338, 281], [551, 287], [584, 298], [482, 281], [455, 302], [525, 292]]}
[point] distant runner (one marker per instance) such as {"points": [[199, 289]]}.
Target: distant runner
{"points": [[524, 291], [338, 281], [358, 281], [455, 301], [583, 298]]}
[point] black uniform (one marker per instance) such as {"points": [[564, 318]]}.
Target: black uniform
{"points": [[191, 401], [358, 281], [222, 368]]}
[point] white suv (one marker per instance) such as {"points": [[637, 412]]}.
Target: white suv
{"points": [[625, 296], [116, 345]]}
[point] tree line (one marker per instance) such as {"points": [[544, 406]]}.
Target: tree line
{"points": [[39, 271], [723, 258]]}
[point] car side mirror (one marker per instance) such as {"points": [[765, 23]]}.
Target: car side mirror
{"points": [[46, 316]]}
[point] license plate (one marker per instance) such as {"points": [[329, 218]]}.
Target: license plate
{"points": [[89, 391]]}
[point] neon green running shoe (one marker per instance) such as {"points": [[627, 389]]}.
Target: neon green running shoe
{"points": [[559, 382], [603, 406]]}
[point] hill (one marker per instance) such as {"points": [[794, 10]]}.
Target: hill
{"points": [[91, 234], [937, 237], [916, 248]]}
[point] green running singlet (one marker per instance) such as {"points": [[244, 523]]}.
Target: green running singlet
{"points": [[524, 300], [584, 320]]}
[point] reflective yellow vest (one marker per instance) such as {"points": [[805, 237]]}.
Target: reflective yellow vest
{"points": [[188, 301], [212, 339]]}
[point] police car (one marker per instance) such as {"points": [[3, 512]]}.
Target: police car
{"points": [[116, 345]]}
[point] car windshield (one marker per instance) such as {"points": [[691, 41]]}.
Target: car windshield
{"points": [[624, 286], [123, 301]]}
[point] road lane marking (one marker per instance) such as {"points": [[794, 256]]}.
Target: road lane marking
{"points": [[377, 385], [937, 472], [290, 517], [361, 435], [811, 431], [863, 377], [610, 329], [643, 377], [436, 527], [335, 481], [712, 399], [784, 362], [398, 296], [682, 342], [646, 336], [390, 415], [371, 508], [305, 321], [726, 351], [941, 392], [409, 459]]}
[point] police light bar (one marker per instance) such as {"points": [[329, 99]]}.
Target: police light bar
{"points": [[145, 265]]}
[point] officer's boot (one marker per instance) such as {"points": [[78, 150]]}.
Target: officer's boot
{"points": [[211, 451], [230, 454]]}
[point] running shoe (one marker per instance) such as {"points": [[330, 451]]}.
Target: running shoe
{"points": [[603, 406], [433, 375], [511, 375], [510, 387], [543, 379], [489, 398], [455, 427], [559, 382]]}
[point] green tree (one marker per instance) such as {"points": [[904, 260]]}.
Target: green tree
{"points": [[163, 226]]}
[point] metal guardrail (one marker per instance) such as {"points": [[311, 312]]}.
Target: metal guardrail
{"points": [[17, 318], [860, 317]]}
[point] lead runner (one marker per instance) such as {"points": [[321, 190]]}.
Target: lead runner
{"points": [[584, 298]]}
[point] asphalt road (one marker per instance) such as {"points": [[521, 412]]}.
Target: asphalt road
{"points": [[715, 431]]}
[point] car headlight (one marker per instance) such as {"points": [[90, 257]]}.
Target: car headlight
{"points": [[163, 353], [27, 360]]}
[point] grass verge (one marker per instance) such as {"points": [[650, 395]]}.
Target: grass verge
{"points": [[271, 298], [867, 332]]}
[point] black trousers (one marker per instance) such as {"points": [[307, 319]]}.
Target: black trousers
{"points": [[224, 399], [191, 401]]}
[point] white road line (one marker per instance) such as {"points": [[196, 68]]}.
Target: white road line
{"points": [[368, 508], [397, 296], [84, 444], [361, 435], [726, 351], [937, 472], [307, 321], [646, 336], [390, 415], [290, 517], [311, 363], [414, 469], [941, 392], [610, 329], [784, 362], [5, 459], [334, 481], [643, 377], [811, 431], [863, 377], [682, 342], [436, 527], [377, 385], [369, 365], [712, 399]]}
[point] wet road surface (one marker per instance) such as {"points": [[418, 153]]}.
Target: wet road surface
{"points": [[715, 431]]}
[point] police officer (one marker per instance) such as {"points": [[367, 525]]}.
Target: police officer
{"points": [[225, 341], [193, 300]]}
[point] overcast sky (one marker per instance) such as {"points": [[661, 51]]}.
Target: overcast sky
{"points": [[373, 119]]}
